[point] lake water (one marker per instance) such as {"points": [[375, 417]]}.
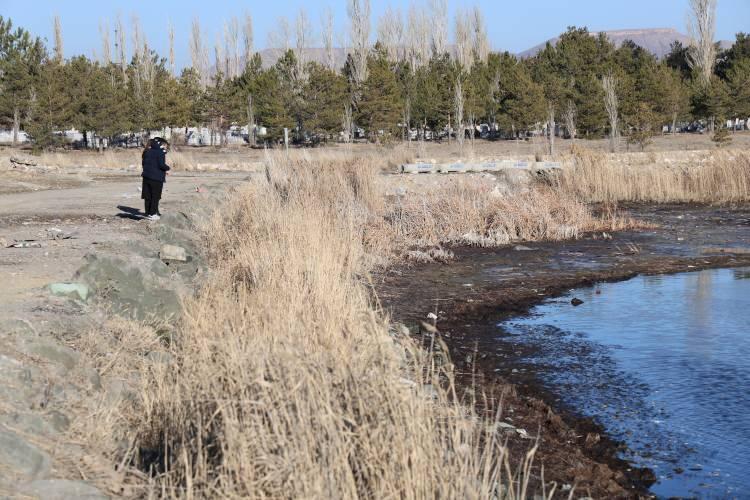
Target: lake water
{"points": [[663, 362]]}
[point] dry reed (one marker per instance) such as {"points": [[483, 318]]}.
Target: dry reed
{"points": [[722, 177], [287, 380]]}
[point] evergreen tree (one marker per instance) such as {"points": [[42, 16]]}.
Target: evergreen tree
{"points": [[21, 58], [324, 92], [51, 110], [738, 83], [380, 106]]}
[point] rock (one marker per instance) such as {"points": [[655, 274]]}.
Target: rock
{"points": [[61, 489], [127, 290], [22, 457], [504, 426], [80, 290], [49, 350], [177, 220], [173, 252], [576, 302], [521, 248]]}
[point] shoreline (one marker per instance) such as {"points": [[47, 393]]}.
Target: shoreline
{"points": [[508, 282]]}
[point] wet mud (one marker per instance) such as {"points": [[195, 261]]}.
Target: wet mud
{"points": [[484, 287]]}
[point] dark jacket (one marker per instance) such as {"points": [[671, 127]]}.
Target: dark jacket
{"points": [[154, 164]]}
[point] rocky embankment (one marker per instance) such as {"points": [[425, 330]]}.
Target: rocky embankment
{"points": [[49, 386]]}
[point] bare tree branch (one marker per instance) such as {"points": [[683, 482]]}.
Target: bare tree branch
{"points": [[247, 36], [439, 26], [328, 34], [106, 48], [359, 19], [611, 103], [702, 31], [59, 51]]}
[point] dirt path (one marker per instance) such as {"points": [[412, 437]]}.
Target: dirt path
{"points": [[42, 375], [96, 216]]}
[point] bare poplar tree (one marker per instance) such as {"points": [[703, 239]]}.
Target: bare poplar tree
{"points": [[611, 103], [198, 53], [219, 61], [328, 34], [570, 115], [281, 38], [439, 26], [359, 19], [480, 41], [551, 127], [250, 120], [391, 33], [302, 40], [459, 111], [347, 123], [247, 37], [59, 51], [407, 118], [463, 39], [104, 34], [170, 35], [120, 48], [231, 48], [702, 31], [418, 37]]}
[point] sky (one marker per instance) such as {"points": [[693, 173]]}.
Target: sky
{"points": [[512, 25]]}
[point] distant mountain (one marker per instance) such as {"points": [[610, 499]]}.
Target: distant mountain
{"points": [[655, 40]]}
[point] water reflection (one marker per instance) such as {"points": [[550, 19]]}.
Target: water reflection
{"points": [[662, 361]]}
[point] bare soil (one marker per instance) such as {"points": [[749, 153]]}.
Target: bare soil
{"points": [[485, 286]]}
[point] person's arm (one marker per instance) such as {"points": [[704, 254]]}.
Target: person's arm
{"points": [[163, 162]]}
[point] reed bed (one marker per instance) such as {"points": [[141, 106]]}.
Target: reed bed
{"points": [[721, 177], [284, 378]]}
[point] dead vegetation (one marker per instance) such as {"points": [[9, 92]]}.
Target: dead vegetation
{"points": [[284, 379], [721, 177]]}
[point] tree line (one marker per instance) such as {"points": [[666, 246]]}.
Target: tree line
{"points": [[581, 87]]}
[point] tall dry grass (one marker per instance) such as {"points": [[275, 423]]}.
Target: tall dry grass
{"points": [[723, 177], [289, 382], [285, 380]]}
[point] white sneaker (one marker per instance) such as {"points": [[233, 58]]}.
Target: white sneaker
{"points": [[153, 217]]}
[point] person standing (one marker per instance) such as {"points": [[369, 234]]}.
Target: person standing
{"points": [[154, 175]]}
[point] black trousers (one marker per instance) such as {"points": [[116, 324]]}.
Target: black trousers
{"points": [[151, 194]]}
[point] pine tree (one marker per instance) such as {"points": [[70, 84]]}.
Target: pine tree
{"points": [[21, 58], [379, 109], [50, 110], [324, 92]]}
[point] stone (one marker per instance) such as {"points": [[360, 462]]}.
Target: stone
{"points": [[127, 290], [522, 248], [49, 350], [576, 302], [22, 457], [172, 252], [61, 489], [79, 290], [177, 220]]}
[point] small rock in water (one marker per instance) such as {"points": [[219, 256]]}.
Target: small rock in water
{"points": [[576, 302], [173, 252], [522, 248]]}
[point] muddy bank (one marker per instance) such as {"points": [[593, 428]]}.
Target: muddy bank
{"points": [[485, 286]]}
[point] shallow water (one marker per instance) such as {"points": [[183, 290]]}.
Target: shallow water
{"points": [[663, 362]]}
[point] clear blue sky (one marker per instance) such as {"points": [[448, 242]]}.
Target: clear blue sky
{"points": [[512, 25]]}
